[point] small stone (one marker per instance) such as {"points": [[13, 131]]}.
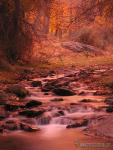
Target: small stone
{"points": [[2, 117], [31, 113], [73, 104], [11, 125], [82, 93], [63, 92], [109, 109], [57, 100], [78, 125], [28, 128], [11, 107], [87, 100], [33, 103], [109, 101], [61, 113], [36, 83], [46, 93]]}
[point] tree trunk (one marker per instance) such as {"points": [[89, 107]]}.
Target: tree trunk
{"points": [[17, 15], [13, 53]]}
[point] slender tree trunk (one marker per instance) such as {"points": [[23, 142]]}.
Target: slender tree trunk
{"points": [[13, 34], [17, 15]]}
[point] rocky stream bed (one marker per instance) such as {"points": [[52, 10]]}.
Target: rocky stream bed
{"points": [[56, 110]]}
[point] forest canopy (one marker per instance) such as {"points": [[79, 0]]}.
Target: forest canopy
{"points": [[24, 21]]}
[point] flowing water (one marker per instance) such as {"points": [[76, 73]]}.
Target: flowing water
{"points": [[52, 137]]}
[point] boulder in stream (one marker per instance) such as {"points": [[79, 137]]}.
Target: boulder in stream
{"points": [[31, 113], [78, 125], [109, 101], [2, 117], [101, 93], [33, 103], [63, 92], [109, 109], [36, 83], [11, 107], [82, 93], [18, 90], [28, 127], [1, 129], [11, 125], [88, 100], [60, 113]]}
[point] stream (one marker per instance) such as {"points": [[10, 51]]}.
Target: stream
{"points": [[54, 134]]}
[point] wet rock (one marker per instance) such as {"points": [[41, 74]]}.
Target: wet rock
{"points": [[11, 107], [28, 128], [73, 104], [77, 125], [1, 129], [87, 100], [61, 113], [18, 90], [11, 125], [2, 117], [71, 75], [36, 83], [82, 93], [46, 93], [109, 101], [109, 109], [45, 89], [48, 88], [63, 92], [50, 85], [57, 100], [101, 93], [33, 103], [31, 113]]}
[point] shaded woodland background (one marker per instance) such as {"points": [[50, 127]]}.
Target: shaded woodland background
{"points": [[24, 24]]}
